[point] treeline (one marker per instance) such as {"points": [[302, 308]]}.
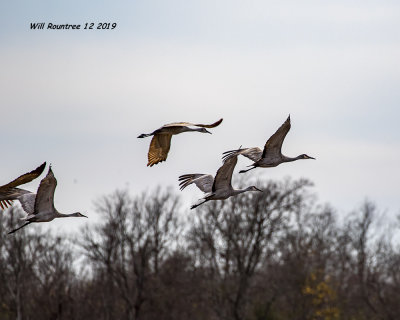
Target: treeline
{"points": [[259, 256]]}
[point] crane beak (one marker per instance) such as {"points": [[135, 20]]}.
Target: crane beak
{"points": [[258, 189]]}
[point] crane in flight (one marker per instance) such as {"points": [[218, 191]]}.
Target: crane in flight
{"points": [[218, 188], [271, 155], [161, 141], [40, 206]]}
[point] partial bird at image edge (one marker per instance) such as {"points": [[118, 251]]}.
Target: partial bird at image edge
{"points": [[40, 206], [9, 192]]}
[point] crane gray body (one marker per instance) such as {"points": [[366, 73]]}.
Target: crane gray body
{"points": [[271, 155], [40, 206], [218, 188]]}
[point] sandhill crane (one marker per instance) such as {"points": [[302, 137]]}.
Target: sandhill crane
{"points": [[40, 206], [161, 142], [9, 192], [219, 188], [271, 156]]}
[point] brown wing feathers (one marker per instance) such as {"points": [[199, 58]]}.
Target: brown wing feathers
{"points": [[25, 178], [213, 125], [161, 141], [159, 148], [9, 188]]}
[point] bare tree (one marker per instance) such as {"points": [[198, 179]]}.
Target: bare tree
{"points": [[55, 278], [232, 238], [127, 248], [35, 271], [275, 255], [18, 257]]}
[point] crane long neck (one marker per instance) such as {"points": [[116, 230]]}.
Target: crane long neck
{"points": [[63, 215], [289, 159], [239, 191]]}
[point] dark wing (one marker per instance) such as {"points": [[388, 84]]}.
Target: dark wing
{"points": [[8, 192], [213, 125], [45, 194], [203, 181], [223, 177], [8, 195], [188, 124], [273, 146], [159, 148], [25, 178], [251, 153]]}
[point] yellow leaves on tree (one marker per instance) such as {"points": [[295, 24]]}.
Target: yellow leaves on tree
{"points": [[323, 297]]}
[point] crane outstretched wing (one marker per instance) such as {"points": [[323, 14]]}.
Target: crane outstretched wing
{"points": [[223, 177], [252, 153], [28, 202], [176, 124], [203, 181], [213, 125], [25, 178], [9, 192], [7, 196], [188, 124], [274, 144], [159, 148], [45, 195]]}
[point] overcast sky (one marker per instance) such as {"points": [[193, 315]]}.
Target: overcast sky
{"points": [[79, 98]]}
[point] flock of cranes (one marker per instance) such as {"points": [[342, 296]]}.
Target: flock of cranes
{"points": [[39, 207]]}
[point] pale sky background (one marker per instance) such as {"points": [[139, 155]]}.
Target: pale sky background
{"points": [[79, 98]]}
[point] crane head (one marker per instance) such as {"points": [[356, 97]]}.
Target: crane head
{"points": [[78, 214], [304, 156], [204, 130], [253, 188]]}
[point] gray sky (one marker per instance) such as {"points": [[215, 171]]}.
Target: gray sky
{"points": [[79, 98]]}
